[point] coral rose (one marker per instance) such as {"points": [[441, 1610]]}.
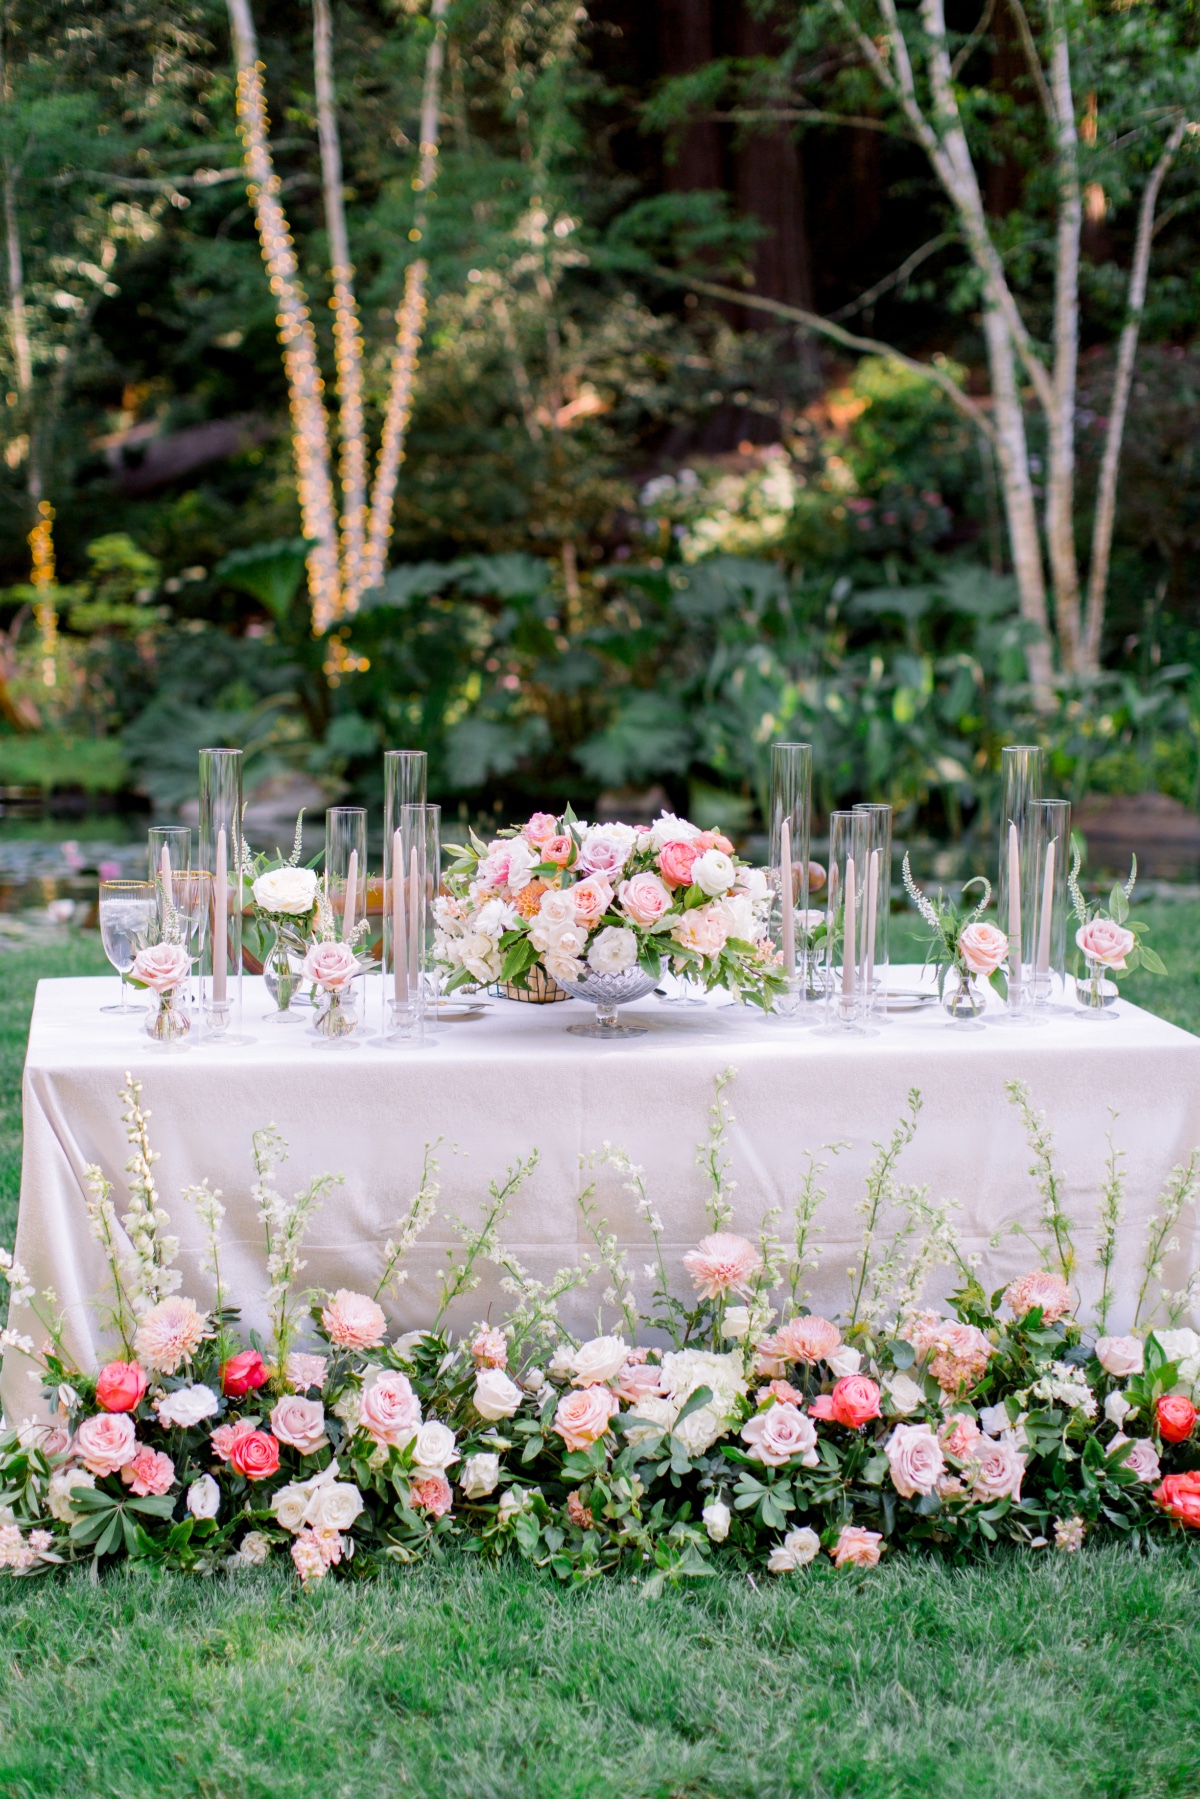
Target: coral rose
{"points": [[169, 1334], [856, 1547], [1179, 1494], [353, 1321], [243, 1373], [390, 1410], [1176, 1417], [644, 899], [106, 1442], [226, 1435], [915, 1459], [853, 1402], [805, 1340], [558, 850], [982, 947], [582, 1415], [1049, 1291], [1105, 942], [255, 1454], [149, 1473], [300, 1423], [723, 1263], [120, 1386], [676, 863]]}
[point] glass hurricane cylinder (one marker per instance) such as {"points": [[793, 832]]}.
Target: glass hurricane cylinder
{"points": [[878, 907], [846, 996], [1050, 927], [346, 867], [1016, 886], [788, 815], [168, 853], [405, 925], [222, 856]]}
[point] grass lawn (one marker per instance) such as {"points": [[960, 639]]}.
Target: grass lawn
{"points": [[1055, 1678]]}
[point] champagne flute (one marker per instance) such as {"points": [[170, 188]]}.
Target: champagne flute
{"points": [[127, 913]]}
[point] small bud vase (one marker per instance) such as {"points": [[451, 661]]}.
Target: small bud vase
{"points": [[336, 1019], [1096, 995], [167, 1021], [963, 1001]]}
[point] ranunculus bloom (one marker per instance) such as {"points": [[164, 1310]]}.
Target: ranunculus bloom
{"points": [[204, 1497], [723, 1263], [599, 1359], [676, 862], [149, 1473], [490, 1348], [582, 1415], [999, 1468], [540, 829], [120, 1386], [495, 1395], [780, 1433], [330, 966], [806, 1340], [256, 1455], [644, 899], [161, 966], [353, 1321], [432, 1494], [1176, 1417], [853, 1402], [169, 1334], [590, 900], [226, 1435], [300, 1423], [982, 947], [915, 1459], [713, 873], [1049, 1291], [106, 1442], [1179, 1494], [292, 891], [242, 1374], [1120, 1356], [856, 1547], [1105, 942]]}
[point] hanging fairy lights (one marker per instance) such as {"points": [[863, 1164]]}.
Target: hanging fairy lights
{"points": [[42, 579]]}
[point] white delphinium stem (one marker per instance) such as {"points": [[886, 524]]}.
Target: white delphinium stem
{"points": [[930, 1229], [1112, 1210], [1078, 903], [805, 1258], [205, 1201], [712, 1157], [297, 840], [924, 906], [620, 1293], [284, 1223], [149, 1272], [422, 1209], [21, 1292], [534, 1319], [102, 1222], [457, 1278], [1059, 1249], [1178, 1189], [656, 1271]]}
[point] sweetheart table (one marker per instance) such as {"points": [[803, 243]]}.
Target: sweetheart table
{"points": [[513, 1081]]}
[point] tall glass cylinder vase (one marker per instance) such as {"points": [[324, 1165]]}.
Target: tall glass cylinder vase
{"points": [[404, 778], [168, 853], [346, 868], [429, 825], [1016, 888], [405, 933], [878, 907], [1050, 954], [788, 832], [222, 854], [847, 1001]]}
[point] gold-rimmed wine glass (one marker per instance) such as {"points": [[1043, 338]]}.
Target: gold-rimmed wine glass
{"points": [[128, 911]]}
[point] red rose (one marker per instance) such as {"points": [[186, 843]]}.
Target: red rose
{"points": [[855, 1399], [1176, 1417], [1179, 1494], [256, 1455], [242, 1373], [120, 1386]]}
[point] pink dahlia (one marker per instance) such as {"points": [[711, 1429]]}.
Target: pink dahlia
{"points": [[1049, 1291], [806, 1340], [722, 1263], [169, 1334]]}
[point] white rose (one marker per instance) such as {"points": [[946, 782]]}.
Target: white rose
{"points": [[557, 908], [405, 1345], [905, 1393], [717, 1519], [598, 1360], [613, 950], [713, 873], [495, 1395], [334, 1506], [1119, 1356], [204, 1497], [743, 921], [186, 1407], [566, 970], [753, 883], [290, 1504], [844, 1361], [481, 957], [735, 1326], [533, 1380], [292, 891], [1178, 1346], [480, 1476], [669, 829], [562, 1361], [1117, 1408], [252, 1551], [994, 1419], [514, 1500], [797, 1549], [433, 1448], [58, 1496]]}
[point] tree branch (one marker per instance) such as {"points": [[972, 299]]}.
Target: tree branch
{"points": [[1034, 61], [896, 278]]}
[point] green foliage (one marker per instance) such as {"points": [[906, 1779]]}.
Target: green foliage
{"points": [[52, 761]]}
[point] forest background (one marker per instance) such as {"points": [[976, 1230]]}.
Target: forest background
{"points": [[762, 391]]}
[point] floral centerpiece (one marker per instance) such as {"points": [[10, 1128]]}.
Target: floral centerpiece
{"points": [[962, 946], [1108, 941], [572, 899]]}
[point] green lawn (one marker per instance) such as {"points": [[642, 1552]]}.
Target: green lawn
{"points": [[1055, 1678]]}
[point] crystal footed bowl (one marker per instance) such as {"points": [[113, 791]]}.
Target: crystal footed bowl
{"points": [[607, 992]]}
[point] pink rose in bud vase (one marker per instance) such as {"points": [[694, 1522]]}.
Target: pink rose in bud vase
{"points": [[1105, 942], [162, 966], [982, 947], [120, 1386], [331, 966]]}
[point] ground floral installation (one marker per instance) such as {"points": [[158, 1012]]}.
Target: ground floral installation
{"points": [[578, 899], [753, 1432]]}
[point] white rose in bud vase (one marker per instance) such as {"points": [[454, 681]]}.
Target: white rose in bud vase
{"points": [[204, 1497], [288, 892], [495, 1395], [480, 1476]]}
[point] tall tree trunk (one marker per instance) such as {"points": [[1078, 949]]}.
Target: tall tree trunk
{"points": [[686, 42], [1012, 455], [1060, 472]]}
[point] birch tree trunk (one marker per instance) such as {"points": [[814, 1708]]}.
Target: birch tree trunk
{"points": [[1060, 420]]}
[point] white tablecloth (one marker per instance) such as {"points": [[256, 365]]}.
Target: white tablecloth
{"points": [[496, 1089]]}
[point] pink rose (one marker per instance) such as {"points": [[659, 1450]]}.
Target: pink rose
{"points": [[704, 929], [915, 1459], [331, 966], [106, 1442], [162, 966], [582, 1415], [722, 1263], [243, 1373], [638, 1380], [999, 1470], [432, 1494], [856, 1548], [558, 850], [590, 899], [1142, 1458], [1105, 942], [390, 1410], [300, 1423], [822, 1407], [982, 947], [1119, 1356], [226, 1435], [780, 1433], [959, 1435], [120, 1386], [675, 863], [540, 829], [149, 1473], [644, 899], [353, 1321], [255, 1454]]}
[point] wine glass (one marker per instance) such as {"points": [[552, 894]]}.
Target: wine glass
{"points": [[127, 913]]}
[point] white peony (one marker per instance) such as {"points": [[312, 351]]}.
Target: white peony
{"points": [[904, 1393], [669, 829], [186, 1406], [600, 1359], [613, 950], [433, 1449], [798, 1548], [1117, 1408], [480, 1476], [58, 1496], [735, 1326], [717, 1519], [713, 873], [742, 918], [290, 891], [845, 1361], [204, 1497], [495, 1395]]}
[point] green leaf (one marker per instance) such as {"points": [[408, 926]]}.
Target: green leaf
{"points": [[693, 1403], [1118, 905], [1151, 961]]}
